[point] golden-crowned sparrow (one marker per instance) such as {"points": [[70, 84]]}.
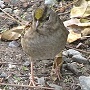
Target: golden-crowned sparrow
{"points": [[46, 37]]}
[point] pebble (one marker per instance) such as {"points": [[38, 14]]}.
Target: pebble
{"points": [[71, 52], [27, 16], [80, 59], [15, 2], [1, 13], [8, 10], [51, 2], [23, 0], [6, 1], [14, 44], [3, 75], [25, 5], [73, 68], [55, 86], [11, 66], [65, 53], [41, 81], [84, 82], [29, 10], [27, 63], [2, 4], [17, 12], [66, 59]]}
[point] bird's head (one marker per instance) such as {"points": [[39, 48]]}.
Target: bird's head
{"points": [[38, 15]]}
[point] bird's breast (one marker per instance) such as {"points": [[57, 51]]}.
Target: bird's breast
{"points": [[43, 46]]}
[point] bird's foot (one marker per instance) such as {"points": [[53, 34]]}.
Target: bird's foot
{"points": [[32, 82], [57, 70]]}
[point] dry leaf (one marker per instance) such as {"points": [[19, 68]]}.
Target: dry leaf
{"points": [[57, 66], [18, 29], [86, 31], [84, 24], [84, 20], [80, 3], [81, 9], [71, 22], [11, 35], [73, 36]]}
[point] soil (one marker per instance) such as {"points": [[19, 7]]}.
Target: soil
{"points": [[12, 60]]}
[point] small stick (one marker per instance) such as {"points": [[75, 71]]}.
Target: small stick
{"points": [[85, 37], [10, 63], [16, 85]]}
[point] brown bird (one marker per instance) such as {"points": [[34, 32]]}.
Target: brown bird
{"points": [[46, 37]]}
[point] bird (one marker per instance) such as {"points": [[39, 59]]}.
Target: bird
{"points": [[46, 37]]}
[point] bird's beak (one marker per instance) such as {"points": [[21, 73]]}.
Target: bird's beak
{"points": [[37, 23]]}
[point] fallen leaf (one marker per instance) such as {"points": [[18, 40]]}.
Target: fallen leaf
{"points": [[81, 9], [72, 21], [80, 3], [86, 31], [73, 36], [84, 24], [84, 20], [12, 34]]}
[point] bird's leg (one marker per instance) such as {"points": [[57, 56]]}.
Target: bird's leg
{"points": [[58, 73], [32, 82]]}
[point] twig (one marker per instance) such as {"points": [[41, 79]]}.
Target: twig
{"points": [[11, 16], [85, 37], [10, 63], [16, 85], [64, 13]]}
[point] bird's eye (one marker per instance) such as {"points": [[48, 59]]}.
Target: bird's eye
{"points": [[47, 18]]}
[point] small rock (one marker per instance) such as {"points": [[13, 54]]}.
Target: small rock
{"points": [[1, 13], [8, 10], [27, 63], [50, 2], [80, 59], [41, 81], [6, 1], [65, 53], [14, 44], [11, 66], [15, 2], [23, 0], [25, 5], [17, 12], [3, 75], [27, 16], [72, 52], [55, 86], [45, 61], [73, 68], [29, 10], [84, 82], [2, 4], [66, 59]]}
